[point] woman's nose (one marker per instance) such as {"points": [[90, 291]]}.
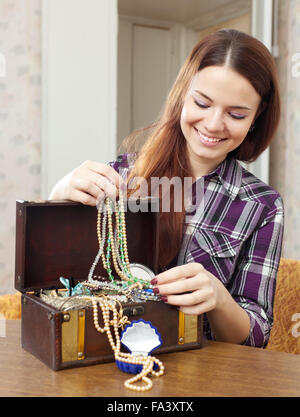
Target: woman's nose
{"points": [[214, 122]]}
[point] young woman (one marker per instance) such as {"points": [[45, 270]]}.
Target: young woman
{"points": [[223, 107]]}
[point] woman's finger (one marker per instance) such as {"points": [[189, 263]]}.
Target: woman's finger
{"points": [[180, 286], [106, 171], [96, 184], [82, 197], [189, 299], [178, 273], [198, 308], [87, 186], [108, 188]]}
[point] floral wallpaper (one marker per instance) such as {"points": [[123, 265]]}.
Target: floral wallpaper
{"points": [[20, 120], [285, 151]]}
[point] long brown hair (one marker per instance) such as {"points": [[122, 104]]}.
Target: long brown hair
{"points": [[164, 153]]}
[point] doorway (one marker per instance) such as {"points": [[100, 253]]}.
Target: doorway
{"points": [[154, 39]]}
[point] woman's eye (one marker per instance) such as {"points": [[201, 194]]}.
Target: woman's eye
{"points": [[237, 116], [202, 105]]}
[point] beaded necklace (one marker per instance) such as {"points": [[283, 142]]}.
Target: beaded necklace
{"points": [[129, 286], [116, 249], [118, 320]]}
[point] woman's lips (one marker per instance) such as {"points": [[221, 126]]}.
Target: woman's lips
{"points": [[208, 140]]}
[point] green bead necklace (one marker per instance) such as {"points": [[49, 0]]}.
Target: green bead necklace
{"points": [[116, 249]]}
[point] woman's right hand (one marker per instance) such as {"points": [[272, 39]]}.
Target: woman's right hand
{"points": [[88, 184]]}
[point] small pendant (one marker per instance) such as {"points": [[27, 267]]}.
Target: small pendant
{"points": [[141, 271]]}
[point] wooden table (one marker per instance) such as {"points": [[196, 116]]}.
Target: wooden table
{"points": [[218, 369]]}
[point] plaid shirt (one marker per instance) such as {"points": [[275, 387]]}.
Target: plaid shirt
{"points": [[237, 237]]}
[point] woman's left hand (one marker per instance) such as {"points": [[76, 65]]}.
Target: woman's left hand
{"points": [[191, 287]]}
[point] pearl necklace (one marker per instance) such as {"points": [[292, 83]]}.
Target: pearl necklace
{"points": [[111, 240], [129, 287], [100, 241], [118, 320], [116, 246]]}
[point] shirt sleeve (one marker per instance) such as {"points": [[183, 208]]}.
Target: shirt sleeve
{"points": [[254, 279]]}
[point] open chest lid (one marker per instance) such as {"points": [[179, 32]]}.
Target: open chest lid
{"points": [[59, 238]]}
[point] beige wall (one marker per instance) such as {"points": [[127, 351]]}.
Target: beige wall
{"points": [[20, 121], [242, 23], [77, 99]]}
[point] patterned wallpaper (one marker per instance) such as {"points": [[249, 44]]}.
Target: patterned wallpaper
{"points": [[285, 151], [20, 120]]}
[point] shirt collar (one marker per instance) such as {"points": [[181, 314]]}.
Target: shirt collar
{"points": [[230, 174]]}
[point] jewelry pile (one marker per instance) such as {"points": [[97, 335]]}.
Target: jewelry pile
{"points": [[108, 293]]}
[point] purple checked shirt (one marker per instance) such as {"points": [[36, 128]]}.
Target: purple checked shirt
{"points": [[237, 237]]}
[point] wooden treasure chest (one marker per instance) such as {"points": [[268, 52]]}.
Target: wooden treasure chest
{"points": [[57, 242]]}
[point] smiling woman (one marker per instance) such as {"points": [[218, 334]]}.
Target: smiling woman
{"points": [[232, 69], [217, 113], [221, 260]]}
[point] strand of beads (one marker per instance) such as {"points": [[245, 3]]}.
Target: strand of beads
{"points": [[119, 241], [121, 211], [148, 364], [101, 241], [123, 257], [111, 243], [122, 250], [121, 225], [118, 251], [118, 320], [128, 293]]}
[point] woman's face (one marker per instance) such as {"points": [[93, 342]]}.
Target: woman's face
{"points": [[217, 113]]}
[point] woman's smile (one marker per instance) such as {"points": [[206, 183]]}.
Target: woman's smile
{"points": [[217, 113], [208, 140]]}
